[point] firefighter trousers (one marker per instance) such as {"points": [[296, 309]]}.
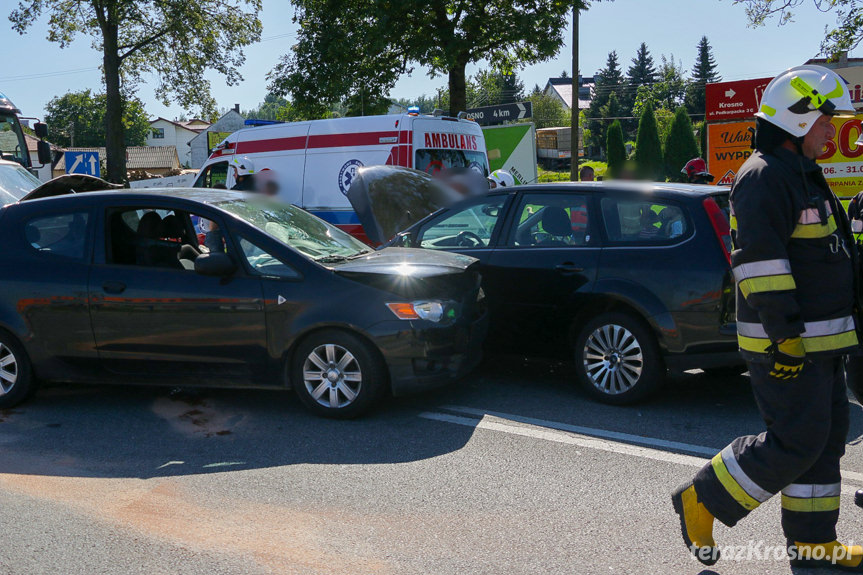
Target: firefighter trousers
{"points": [[807, 425]]}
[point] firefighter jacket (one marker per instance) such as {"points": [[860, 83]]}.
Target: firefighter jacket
{"points": [[794, 259]]}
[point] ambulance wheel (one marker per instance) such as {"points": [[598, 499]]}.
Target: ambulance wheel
{"points": [[617, 359]]}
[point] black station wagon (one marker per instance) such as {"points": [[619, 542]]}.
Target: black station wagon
{"points": [[628, 278], [215, 288]]}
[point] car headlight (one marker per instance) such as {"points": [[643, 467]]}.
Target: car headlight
{"points": [[429, 310]]}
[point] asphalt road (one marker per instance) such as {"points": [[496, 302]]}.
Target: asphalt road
{"points": [[514, 470]]}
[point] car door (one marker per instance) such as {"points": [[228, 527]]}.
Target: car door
{"points": [[152, 316], [543, 268]]}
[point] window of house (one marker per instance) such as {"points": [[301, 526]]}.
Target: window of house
{"points": [[158, 133], [63, 235]]}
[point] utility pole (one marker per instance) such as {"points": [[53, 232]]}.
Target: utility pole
{"points": [[573, 133]]}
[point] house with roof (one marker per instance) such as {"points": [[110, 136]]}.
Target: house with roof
{"points": [[207, 139], [164, 132], [154, 160], [561, 88]]}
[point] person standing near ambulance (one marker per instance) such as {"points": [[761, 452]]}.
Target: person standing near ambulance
{"points": [[795, 267], [244, 174]]}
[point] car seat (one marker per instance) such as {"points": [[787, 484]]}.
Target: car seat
{"points": [[556, 222]]}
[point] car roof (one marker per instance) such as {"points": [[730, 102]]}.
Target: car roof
{"points": [[200, 195], [643, 187]]}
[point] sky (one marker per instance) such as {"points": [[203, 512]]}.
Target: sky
{"points": [[669, 27]]}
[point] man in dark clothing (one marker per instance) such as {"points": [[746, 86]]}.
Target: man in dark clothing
{"points": [[244, 174], [795, 269]]}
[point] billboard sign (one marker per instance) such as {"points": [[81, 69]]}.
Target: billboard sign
{"points": [[512, 148], [733, 100]]}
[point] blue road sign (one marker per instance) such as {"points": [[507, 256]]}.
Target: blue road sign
{"points": [[82, 163]]}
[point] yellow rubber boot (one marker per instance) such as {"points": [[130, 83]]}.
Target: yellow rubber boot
{"points": [[696, 524], [830, 555]]}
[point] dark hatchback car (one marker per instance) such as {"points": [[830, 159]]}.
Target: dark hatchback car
{"points": [[630, 279], [110, 287]]}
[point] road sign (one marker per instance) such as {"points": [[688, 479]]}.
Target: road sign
{"points": [[86, 163], [734, 100], [490, 115]]}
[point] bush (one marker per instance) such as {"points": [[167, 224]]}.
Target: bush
{"points": [[680, 146], [648, 152], [615, 149]]}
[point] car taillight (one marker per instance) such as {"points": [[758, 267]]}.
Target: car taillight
{"points": [[720, 226]]}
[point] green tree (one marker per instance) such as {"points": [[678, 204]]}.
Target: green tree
{"points": [[268, 109], [174, 41], [704, 72], [641, 73], [648, 148], [78, 119], [680, 145], [348, 47], [548, 112], [607, 81], [616, 151], [844, 37], [489, 87]]}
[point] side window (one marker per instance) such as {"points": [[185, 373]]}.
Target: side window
{"points": [[263, 263], [214, 175], [158, 133], [552, 220], [470, 227], [59, 235], [644, 221], [154, 237]]}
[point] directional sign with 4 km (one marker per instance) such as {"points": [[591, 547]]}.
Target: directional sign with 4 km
{"points": [[86, 163], [490, 115]]}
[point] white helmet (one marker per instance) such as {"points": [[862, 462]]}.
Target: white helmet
{"points": [[244, 165], [501, 178], [797, 97]]}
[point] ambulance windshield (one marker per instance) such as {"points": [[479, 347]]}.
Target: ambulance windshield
{"points": [[434, 161], [296, 228]]}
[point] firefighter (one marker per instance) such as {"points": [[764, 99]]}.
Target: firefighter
{"points": [[696, 171], [795, 269], [244, 174], [500, 178]]}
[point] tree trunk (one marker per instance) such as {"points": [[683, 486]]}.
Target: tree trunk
{"points": [[457, 88], [114, 131]]}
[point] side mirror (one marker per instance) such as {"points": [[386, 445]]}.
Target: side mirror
{"points": [[215, 264], [43, 151], [41, 130]]}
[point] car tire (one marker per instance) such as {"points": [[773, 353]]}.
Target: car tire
{"points": [[617, 359], [349, 374], [16, 374]]}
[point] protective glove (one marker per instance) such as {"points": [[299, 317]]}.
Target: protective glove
{"points": [[788, 358]]}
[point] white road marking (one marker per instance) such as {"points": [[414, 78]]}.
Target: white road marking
{"points": [[591, 438]]}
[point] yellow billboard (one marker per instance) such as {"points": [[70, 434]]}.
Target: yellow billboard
{"points": [[842, 160]]}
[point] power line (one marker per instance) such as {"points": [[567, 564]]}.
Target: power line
{"points": [[47, 74]]}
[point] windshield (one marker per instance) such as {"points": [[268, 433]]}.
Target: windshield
{"points": [[434, 161], [12, 144], [296, 228], [15, 183]]}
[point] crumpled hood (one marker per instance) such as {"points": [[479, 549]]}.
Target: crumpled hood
{"points": [[407, 262]]}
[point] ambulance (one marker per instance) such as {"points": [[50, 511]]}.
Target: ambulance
{"points": [[313, 163]]}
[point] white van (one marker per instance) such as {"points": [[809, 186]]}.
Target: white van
{"points": [[314, 162]]}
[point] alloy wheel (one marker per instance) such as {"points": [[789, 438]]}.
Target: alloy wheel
{"points": [[8, 370], [332, 376], [613, 359]]}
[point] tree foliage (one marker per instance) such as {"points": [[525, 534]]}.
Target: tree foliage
{"points": [[642, 72], [667, 92], [844, 37], [78, 119], [616, 151], [607, 81], [349, 47], [680, 145], [173, 41], [548, 112], [704, 72], [648, 147]]}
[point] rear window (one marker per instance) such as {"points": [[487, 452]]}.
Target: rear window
{"points": [[644, 221], [434, 161], [62, 235]]}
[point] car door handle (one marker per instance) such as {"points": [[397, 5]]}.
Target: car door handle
{"points": [[114, 287], [568, 268]]}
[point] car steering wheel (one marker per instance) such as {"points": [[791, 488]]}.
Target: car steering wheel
{"points": [[468, 239]]}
